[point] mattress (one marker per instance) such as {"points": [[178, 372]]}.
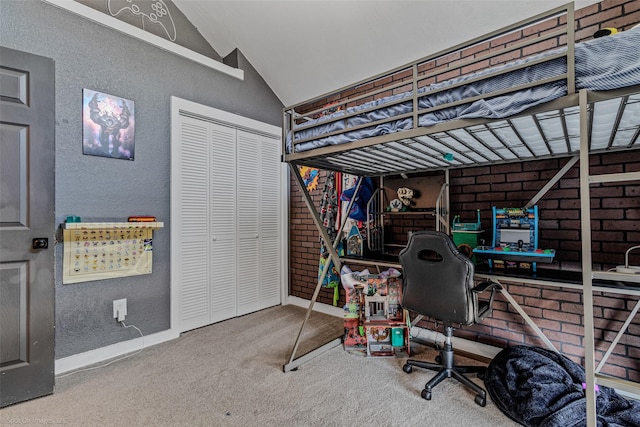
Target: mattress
{"points": [[604, 63]]}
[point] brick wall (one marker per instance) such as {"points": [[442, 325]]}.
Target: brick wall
{"points": [[615, 228], [558, 312], [620, 14]]}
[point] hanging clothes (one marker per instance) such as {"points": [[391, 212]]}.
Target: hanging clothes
{"points": [[359, 206], [329, 214]]}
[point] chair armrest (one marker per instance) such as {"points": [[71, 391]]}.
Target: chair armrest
{"points": [[493, 286], [481, 313]]}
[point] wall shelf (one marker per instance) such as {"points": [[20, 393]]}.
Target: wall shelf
{"points": [[110, 225]]}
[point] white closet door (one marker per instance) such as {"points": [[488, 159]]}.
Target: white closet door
{"points": [[193, 255], [226, 227], [269, 222], [248, 212], [223, 213]]}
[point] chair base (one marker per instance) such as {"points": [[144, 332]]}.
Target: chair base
{"points": [[446, 369]]}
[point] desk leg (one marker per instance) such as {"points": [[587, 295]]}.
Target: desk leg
{"points": [[527, 319]]}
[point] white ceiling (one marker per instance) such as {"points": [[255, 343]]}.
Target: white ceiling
{"points": [[305, 48]]}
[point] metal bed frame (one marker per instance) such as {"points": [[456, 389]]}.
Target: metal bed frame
{"points": [[465, 143]]}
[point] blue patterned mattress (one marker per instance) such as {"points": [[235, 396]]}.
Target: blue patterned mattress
{"points": [[604, 63]]}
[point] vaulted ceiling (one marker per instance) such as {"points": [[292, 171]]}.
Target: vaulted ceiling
{"points": [[305, 48]]}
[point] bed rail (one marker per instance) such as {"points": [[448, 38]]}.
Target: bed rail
{"points": [[478, 60]]}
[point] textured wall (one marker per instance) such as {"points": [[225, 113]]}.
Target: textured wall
{"points": [[88, 55], [186, 34]]}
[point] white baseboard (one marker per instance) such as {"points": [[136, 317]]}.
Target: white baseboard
{"points": [[102, 354], [318, 306]]}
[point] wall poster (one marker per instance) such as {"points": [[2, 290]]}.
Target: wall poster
{"points": [[106, 253], [108, 125]]}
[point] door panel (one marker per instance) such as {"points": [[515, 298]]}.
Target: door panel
{"points": [[222, 196], [193, 254], [270, 222], [27, 197], [248, 208]]}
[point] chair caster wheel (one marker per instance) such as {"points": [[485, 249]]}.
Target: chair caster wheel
{"points": [[438, 359], [481, 400], [426, 395], [407, 368]]}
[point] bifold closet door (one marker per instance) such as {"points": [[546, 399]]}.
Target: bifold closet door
{"points": [[270, 246], [192, 228], [226, 222], [222, 223], [226, 256], [206, 259], [258, 192]]}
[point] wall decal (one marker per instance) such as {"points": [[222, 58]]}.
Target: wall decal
{"points": [[108, 125], [155, 11]]}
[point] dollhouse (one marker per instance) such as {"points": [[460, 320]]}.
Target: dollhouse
{"points": [[375, 324]]}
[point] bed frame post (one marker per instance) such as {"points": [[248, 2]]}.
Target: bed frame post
{"points": [[333, 256], [587, 276], [571, 49]]}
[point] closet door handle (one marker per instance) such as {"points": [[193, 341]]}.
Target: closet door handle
{"points": [[215, 238], [257, 235]]}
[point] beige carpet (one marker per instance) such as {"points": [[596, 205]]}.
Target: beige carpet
{"points": [[230, 374]]}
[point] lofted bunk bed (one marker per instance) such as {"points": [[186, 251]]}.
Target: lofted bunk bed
{"points": [[526, 92]]}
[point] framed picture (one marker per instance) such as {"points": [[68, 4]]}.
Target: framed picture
{"points": [[108, 125]]}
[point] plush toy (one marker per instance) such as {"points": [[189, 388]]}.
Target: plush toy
{"points": [[403, 201], [605, 32], [405, 195]]}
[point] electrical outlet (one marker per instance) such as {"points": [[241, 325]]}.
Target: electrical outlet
{"points": [[120, 309]]}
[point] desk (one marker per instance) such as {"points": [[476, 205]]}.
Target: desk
{"points": [[609, 282], [603, 281]]}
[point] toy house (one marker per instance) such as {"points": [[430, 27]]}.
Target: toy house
{"points": [[375, 323]]}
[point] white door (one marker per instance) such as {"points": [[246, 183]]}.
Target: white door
{"points": [[190, 223], [222, 214], [248, 205], [270, 220], [207, 212], [226, 226], [258, 222]]}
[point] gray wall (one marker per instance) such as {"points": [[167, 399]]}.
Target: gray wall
{"points": [[186, 34], [88, 55]]}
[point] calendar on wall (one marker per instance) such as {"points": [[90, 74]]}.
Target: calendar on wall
{"points": [[98, 251]]}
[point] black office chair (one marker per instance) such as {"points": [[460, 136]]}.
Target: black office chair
{"points": [[438, 283]]}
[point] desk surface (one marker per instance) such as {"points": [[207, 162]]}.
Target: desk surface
{"points": [[561, 279], [602, 281]]}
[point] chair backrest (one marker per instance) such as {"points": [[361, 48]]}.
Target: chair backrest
{"points": [[437, 278]]}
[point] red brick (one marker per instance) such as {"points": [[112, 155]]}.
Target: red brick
{"points": [[562, 317], [515, 337]]}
